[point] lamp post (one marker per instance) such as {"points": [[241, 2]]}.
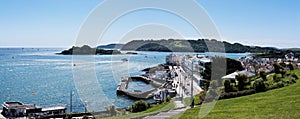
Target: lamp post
{"points": [[71, 94], [192, 85]]}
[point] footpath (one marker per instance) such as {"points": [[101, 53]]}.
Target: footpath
{"points": [[183, 92]]}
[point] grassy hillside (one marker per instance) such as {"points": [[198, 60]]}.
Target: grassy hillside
{"points": [[283, 103]]}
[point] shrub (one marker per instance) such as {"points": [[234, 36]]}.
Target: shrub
{"points": [[293, 80], [68, 116], [259, 86], [263, 75], [227, 85], [241, 79], [295, 76], [282, 72], [276, 85], [168, 98], [85, 117], [291, 66], [277, 68], [139, 106], [275, 78], [236, 94], [112, 110]]}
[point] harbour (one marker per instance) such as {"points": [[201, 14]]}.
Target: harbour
{"points": [[35, 69]]}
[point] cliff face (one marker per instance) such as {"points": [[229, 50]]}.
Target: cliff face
{"points": [[192, 46]]}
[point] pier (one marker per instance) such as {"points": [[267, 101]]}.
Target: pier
{"points": [[122, 88]]}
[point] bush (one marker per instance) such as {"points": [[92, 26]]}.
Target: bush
{"points": [[112, 110], [277, 68], [293, 80], [263, 75], [259, 86], [282, 72], [236, 94], [227, 85], [276, 78], [85, 117], [295, 76], [168, 98], [291, 66], [139, 106], [276, 85], [68, 116], [242, 81]]}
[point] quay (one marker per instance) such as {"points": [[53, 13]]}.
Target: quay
{"points": [[122, 88], [174, 79]]}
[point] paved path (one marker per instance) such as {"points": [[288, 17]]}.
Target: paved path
{"points": [[168, 114], [183, 82]]}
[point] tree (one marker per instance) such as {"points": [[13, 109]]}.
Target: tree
{"points": [[227, 85], [139, 106], [259, 86], [282, 72], [277, 68], [263, 75], [291, 66], [241, 78], [276, 79], [282, 64], [112, 110]]}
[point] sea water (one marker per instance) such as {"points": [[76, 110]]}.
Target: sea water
{"points": [[39, 76]]}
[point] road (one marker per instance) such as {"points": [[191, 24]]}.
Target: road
{"points": [[183, 90]]}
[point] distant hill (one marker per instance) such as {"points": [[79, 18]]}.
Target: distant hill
{"points": [[110, 46], [87, 50], [200, 45], [292, 49]]}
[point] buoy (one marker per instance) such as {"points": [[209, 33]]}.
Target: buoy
{"points": [[32, 93]]}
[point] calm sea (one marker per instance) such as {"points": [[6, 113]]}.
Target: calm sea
{"points": [[39, 76]]}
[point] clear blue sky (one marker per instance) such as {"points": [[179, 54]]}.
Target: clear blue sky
{"points": [[55, 23]]}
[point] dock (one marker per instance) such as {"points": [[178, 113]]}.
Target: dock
{"points": [[122, 88]]}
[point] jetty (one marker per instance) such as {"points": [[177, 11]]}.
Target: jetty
{"points": [[122, 88]]}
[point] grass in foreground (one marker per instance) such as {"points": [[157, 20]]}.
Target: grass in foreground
{"points": [[278, 103], [158, 108]]}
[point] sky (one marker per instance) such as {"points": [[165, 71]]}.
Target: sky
{"points": [[56, 23]]}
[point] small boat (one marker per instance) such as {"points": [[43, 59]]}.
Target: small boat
{"points": [[124, 59]]}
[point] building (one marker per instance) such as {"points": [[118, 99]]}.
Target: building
{"points": [[18, 109], [57, 110], [173, 59], [233, 75]]}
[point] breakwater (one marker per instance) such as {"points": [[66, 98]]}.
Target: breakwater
{"points": [[122, 88]]}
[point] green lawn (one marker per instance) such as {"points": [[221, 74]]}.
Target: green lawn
{"points": [[283, 103], [156, 109]]}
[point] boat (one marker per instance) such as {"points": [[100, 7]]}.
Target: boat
{"points": [[124, 59]]}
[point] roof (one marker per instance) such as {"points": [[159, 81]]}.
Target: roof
{"points": [[205, 60], [247, 73], [13, 105], [232, 75], [54, 108]]}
